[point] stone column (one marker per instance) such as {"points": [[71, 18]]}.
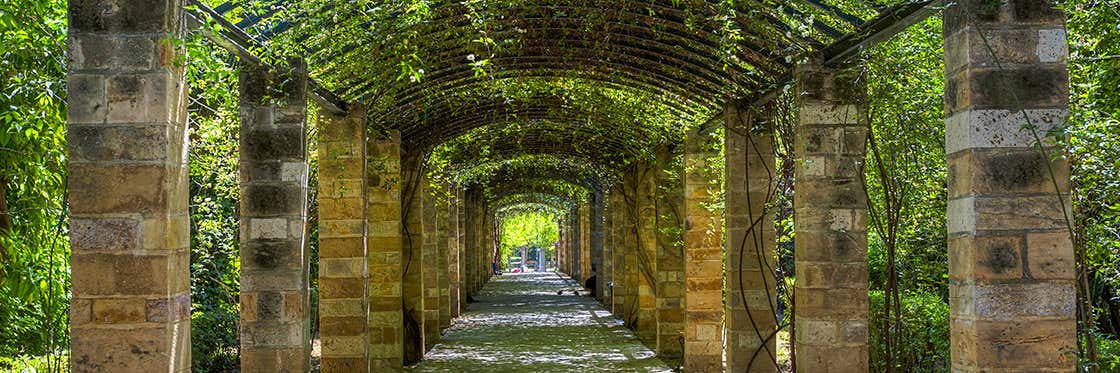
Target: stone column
{"points": [[455, 246], [630, 246], [618, 252], [575, 243], [606, 276], [343, 266], [646, 251], [830, 217], [749, 187], [412, 252], [128, 190], [584, 241], [384, 219], [1011, 264], [443, 254], [595, 241], [275, 323], [488, 246], [669, 200], [703, 340], [431, 268], [470, 245]]}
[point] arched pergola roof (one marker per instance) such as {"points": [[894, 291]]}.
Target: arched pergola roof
{"points": [[596, 82]]}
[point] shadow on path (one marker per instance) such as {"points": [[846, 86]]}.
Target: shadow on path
{"points": [[520, 324]]}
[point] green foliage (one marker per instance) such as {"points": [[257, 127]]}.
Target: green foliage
{"points": [[1109, 350], [34, 253], [215, 189], [529, 228], [1094, 129], [924, 343], [905, 84]]}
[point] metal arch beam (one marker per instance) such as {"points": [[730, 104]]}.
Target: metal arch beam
{"points": [[235, 40], [882, 28], [622, 83]]}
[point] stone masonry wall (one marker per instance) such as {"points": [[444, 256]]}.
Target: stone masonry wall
{"points": [[645, 254], [412, 252], [275, 323], [1011, 263], [127, 188], [830, 217], [669, 200], [749, 186], [384, 241], [431, 267], [343, 254], [618, 252], [443, 254], [703, 346]]}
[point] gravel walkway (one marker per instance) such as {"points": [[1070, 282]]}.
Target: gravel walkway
{"points": [[520, 324]]}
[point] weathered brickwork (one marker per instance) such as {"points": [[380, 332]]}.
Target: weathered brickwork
{"points": [[275, 324], [1011, 262], [703, 332], [645, 252], [669, 199], [830, 218], [431, 267], [343, 267], [749, 234], [127, 188], [385, 241], [412, 252]]}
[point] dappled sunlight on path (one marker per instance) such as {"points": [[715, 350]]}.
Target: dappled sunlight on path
{"points": [[519, 323]]}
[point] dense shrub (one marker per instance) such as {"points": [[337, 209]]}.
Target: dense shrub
{"points": [[923, 344]]}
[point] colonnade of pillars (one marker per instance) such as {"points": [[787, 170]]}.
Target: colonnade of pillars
{"points": [[701, 287], [399, 257]]}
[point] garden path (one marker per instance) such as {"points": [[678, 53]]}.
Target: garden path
{"points": [[519, 324]]}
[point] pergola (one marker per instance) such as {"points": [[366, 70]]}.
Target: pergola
{"points": [[602, 109]]}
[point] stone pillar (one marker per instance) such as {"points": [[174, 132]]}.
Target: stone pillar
{"points": [[443, 254], [412, 252], [455, 246], [749, 188], [487, 256], [645, 254], [470, 245], [128, 190], [275, 323], [595, 242], [343, 276], [606, 276], [630, 247], [385, 240], [431, 268], [703, 339], [618, 252], [669, 200], [830, 217], [1011, 264], [584, 241], [574, 243]]}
